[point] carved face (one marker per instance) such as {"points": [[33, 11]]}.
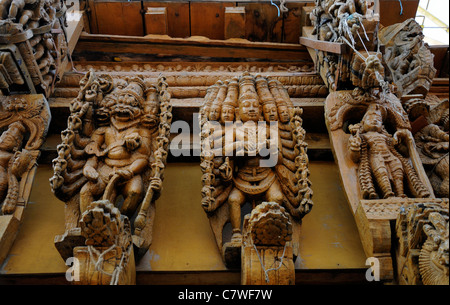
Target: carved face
{"points": [[283, 113], [214, 112], [373, 120], [270, 112], [249, 110], [227, 114]]}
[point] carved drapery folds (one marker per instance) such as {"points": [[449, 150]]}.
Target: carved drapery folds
{"points": [[32, 41], [254, 156], [410, 63], [24, 121], [111, 162], [422, 254]]}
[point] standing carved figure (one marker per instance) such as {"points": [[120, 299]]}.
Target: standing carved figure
{"points": [[253, 151], [373, 147]]}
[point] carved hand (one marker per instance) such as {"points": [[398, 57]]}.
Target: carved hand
{"points": [[402, 134], [90, 173], [354, 144], [156, 184], [225, 170], [124, 174]]}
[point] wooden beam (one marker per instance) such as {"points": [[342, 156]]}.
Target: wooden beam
{"points": [[310, 41], [95, 46]]}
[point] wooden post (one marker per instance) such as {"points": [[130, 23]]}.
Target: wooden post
{"points": [[156, 21], [234, 26]]}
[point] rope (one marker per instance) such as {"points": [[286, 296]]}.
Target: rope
{"points": [[282, 7], [401, 7], [262, 264], [98, 264]]}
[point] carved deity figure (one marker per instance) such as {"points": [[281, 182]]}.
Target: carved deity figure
{"points": [[118, 153], [114, 149], [374, 148], [253, 150]]}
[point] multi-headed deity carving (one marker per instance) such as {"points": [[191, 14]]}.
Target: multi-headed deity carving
{"points": [[410, 62], [253, 151], [24, 121], [114, 150]]}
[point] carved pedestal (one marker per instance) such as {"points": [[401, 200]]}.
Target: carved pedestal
{"points": [[267, 254]]}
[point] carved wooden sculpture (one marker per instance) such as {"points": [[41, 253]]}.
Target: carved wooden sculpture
{"points": [[348, 28], [380, 168], [244, 120], [410, 62], [432, 140], [32, 31], [24, 120], [113, 150], [422, 254]]}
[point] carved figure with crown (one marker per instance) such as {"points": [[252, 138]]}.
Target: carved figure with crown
{"points": [[112, 158], [253, 152]]}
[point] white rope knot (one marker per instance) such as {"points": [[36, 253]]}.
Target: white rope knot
{"points": [[266, 271], [100, 259]]}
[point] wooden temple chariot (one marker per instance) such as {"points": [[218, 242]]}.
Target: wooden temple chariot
{"points": [[269, 92]]}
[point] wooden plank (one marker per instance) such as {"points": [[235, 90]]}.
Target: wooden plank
{"points": [[75, 27], [234, 26], [390, 11], [92, 16], [310, 41], [262, 22], [156, 21], [292, 22], [178, 16], [119, 18], [208, 19]]}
